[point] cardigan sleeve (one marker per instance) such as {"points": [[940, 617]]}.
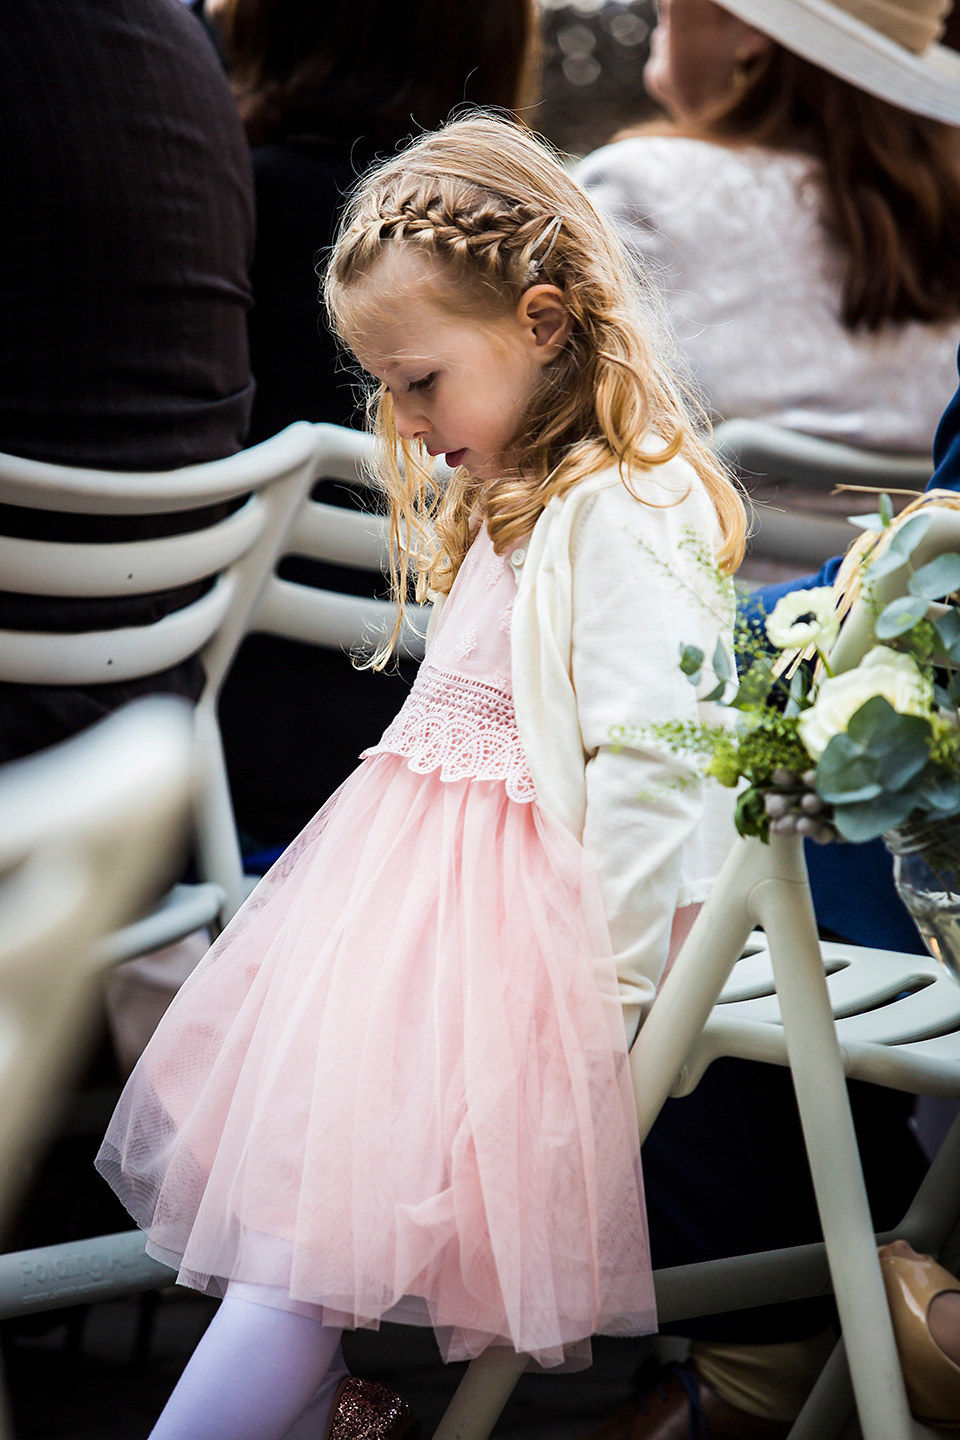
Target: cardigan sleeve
{"points": [[637, 599]]}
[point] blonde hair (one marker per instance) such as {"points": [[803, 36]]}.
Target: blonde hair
{"points": [[485, 199]]}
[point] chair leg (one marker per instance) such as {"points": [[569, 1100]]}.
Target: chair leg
{"points": [[784, 908], [932, 1219], [830, 1406], [217, 845], [690, 991], [481, 1395]]}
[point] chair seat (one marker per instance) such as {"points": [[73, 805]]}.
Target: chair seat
{"points": [[897, 1017], [183, 909]]}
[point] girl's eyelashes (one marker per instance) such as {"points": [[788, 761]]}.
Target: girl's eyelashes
{"points": [[423, 384]]}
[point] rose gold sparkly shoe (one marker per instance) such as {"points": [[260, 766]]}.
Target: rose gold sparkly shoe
{"points": [[364, 1410]]}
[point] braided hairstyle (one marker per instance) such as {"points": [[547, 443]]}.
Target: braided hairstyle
{"points": [[496, 212]]}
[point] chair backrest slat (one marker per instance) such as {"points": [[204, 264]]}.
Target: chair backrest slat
{"points": [[336, 621], [786, 527], [97, 657], [341, 537], [758, 448], [138, 567], [42, 486]]}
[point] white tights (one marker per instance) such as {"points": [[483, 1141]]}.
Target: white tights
{"points": [[259, 1373]]}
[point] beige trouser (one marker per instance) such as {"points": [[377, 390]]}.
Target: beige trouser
{"points": [[768, 1380]]}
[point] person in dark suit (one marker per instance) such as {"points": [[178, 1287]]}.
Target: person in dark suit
{"points": [[322, 90], [127, 234]]}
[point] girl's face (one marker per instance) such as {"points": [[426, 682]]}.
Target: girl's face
{"points": [[694, 54], [459, 386]]}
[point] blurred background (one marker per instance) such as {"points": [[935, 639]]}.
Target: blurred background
{"points": [[593, 55]]}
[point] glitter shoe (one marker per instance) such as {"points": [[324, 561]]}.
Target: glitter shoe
{"points": [[364, 1410]]}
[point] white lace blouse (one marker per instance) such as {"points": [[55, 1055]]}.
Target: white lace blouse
{"points": [[752, 288]]}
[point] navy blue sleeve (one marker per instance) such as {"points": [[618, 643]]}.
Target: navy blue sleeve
{"points": [[755, 607], [946, 447]]}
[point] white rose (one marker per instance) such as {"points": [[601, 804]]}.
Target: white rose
{"points": [[883, 671], [802, 618]]}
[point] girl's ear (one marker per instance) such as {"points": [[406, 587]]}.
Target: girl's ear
{"points": [[543, 316]]}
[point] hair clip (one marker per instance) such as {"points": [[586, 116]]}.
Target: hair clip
{"points": [[534, 266]]}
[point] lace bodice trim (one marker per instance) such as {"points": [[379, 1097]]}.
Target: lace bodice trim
{"points": [[463, 726]]}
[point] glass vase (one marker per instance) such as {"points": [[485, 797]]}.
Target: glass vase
{"points": [[926, 872]]}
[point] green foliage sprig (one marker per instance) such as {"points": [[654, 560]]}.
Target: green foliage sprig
{"points": [[865, 750]]}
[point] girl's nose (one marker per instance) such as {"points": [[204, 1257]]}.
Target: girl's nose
{"points": [[410, 424]]}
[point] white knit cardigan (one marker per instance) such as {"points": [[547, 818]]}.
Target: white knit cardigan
{"points": [[609, 588]]}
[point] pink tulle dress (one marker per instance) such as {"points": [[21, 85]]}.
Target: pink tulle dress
{"points": [[397, 1085]]}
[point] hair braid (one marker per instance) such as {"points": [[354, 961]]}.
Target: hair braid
{"points": [[458, 223]]}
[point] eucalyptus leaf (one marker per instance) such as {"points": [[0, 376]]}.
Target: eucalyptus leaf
{"points": [[755, 686], [846, 773], [901, 547], [904, 761], [750, 816], [940, 793], [868, 820], [865, 522], [900, 616], [721, 663], [942, 697], [885, 510], [799, 683], [940, 577], [716, 693], [691, 662], [947, 627], [900, 744]]}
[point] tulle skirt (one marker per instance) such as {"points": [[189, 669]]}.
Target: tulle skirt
{"points": [[397, 1085]]}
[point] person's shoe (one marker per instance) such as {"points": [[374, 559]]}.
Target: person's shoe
{"points": [[680, 1405], [364, 1410], [932, 1379]]}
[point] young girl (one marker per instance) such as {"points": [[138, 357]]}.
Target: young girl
{"points": [[398, 1085]]}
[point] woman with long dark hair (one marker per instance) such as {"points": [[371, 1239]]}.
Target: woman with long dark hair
{"points": [[801, 206]]}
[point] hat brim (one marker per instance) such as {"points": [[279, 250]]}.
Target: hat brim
{"points": [[926, 84]]}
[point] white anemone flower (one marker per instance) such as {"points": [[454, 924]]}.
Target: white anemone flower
{"points": [[802, 618], [882, 671]]}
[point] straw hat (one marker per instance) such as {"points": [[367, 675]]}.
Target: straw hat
{"points": [[887, 47]]}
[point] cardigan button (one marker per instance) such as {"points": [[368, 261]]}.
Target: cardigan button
{"points": [[518, 556]]}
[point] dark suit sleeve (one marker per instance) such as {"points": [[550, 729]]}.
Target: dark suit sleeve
{"points": [[946, 447]]}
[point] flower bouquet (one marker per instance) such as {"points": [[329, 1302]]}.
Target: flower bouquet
{"points": [[859, 752]]}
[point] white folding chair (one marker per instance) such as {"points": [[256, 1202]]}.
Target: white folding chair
{"points": [[759, 451], [235, 554]]}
